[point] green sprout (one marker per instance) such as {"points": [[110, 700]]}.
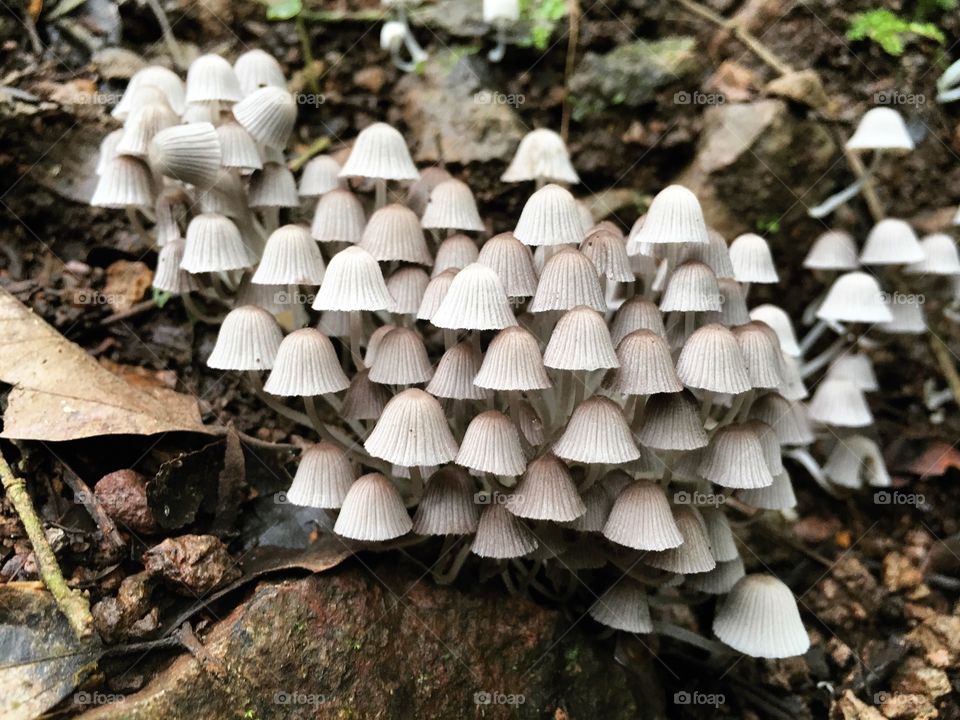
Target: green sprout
{"points": [[894, 32], [543, 16]]}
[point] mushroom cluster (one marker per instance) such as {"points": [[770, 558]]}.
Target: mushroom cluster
{"points": [[566, 403]]}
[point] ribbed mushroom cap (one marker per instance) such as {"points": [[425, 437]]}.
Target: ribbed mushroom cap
{"points": [[225, 197], [319, 176], [841, 403], [733, 305], [760, 347], [608, 253], [857, 460], [334, 323], [412, 431], [641, 519], [189, 153], [549, 217], [434, 294], [568, 279], [637, 313], [124, 182], [256, 69], [670, 422], [339, 217], [674, 216], [714, 254], [270, 154], [854, 297], [513, 362], [447, 506], [711, 359], [169, 277], [691, 288], [778, 320], [541, 155], [614, 482], [760, 618], [693, 554], [543, 253], [793, 387], [778, 496], [531, 426], [214, 244], [476, 300], [407, 286], [546, 492], [210, 111], [718, 581], [275, 299], [140, 127], [940, 256], [290, 257], [364, 399], [723, 546], [752, 262], [735, 459], [598, 504], [401, 359], [907, 315], [646, 366], [455, 373], [597, 432], [373, 343], [891, 242], [418, 193], [167, 82], [268, 114], [452, 206], [857, 368], [779, 413], [580, 341], [273, 187], [108, 149], [353, 281], [455, 253], [248, 340], [380, 152], [394, 233], [323, 477], [769, 443], [833, 250], [372, 511], [491, 444], [306, 365], [501, 534], [210, 77], [881, 128], [238, 149], [624, 607]]}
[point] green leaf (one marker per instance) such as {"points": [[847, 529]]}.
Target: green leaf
{"points": [[283, 9], [891, 31]]}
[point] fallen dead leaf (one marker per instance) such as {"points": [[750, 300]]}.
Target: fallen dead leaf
{"points": [[126, 284], [936, 460]]}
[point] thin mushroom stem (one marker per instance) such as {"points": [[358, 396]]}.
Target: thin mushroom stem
{"points": [[166, 29], [496, 53], [195, 312], [416, 483], [691, 638], [134, 217], [803, 456], [276, 405], [513, 403], [381, 193], [450, 574], [823, 358], [707, 405], [813, 335], [356, 330]]}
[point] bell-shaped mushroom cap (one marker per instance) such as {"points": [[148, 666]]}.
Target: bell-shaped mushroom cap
{"points": [[394, 233], [857, 460], [268, 114], [711, 359], [306, 365], [455, 253], [940, 257], [752, 262], [418, 193], [840, 403], [202, 112], [407, 286], [531, 426], [401, 359], [226, 196], [779, 413], [608, 253], [641, 519], [364, 399], [907, 315], [238, 149], [448, 506], [549, 217], [760, 347], [491, 444], [503, 12], [598, 503], [733, 305], [452, 206], [455, 373], [881, 128], [793, 387], [624, 607], [270, 154], [546, 492], [275, 299], [256, 69], [273, 187], [372, 511], [693, 554], [568, 279], [334, 324], [434, 294], [290, 257], [353, 281], [124, 182], [319, 176], [541, 155], [891, 242], [189, 153], [854, 297], [833, 250], [169, 277], [501, 534], [338, 218], [760, 618], [475, 301], [108, 149], [723, 546], [637, 313], [769, 443], [210, 77], [154, 76], [778, 320], [580, 341], [373, 343], [674, 216], [857, 368], [412, 431], [718, 581], [248, 340], [380, 152], [597, 432], [715, 255], [645, 366], [614, 482], [141, 126], [691, 288], [777, 496], [513, 362], [670, 422], [323, 477], [214, 244], [735, 459]]}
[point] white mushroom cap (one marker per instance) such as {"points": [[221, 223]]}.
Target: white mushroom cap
{"points": [[256, 69], [455, 253], [447, 506], [641, 519], [476, 300], [624, 607], [670, 422], [760, 618], [418, 193], [513, 362], [608, 253], [856, 460], [455, 374], [214, 244], [777, 496], [323, 477], [353, 281], [372, 511], [718, 581], [380, 152], [752, 262], [857, 368], [723, 546], [761, 351], [580, 341], [733, 305], [546, 492], [674, 216], [940, 256], [412, 431], [268, 114], [735, 459], [780, 414], [693, 554], [855, 297], [364, 400], [549, 217], [501, 534], [394, 233], [124, 182], [777, 319], [164, 79], [319, 176], [793, 387], [907, 315], [715, 254], [881, 128], [140, 127], [691, 288], [273, 187], [407, 286], [238, 149], [307, 365], [491, 444], [339, 217], [542, 154], [210, 77], [840, 403], [452, 206], [108, 149], [169, 277], [598, 503], [711, 359], [290, 257], [637, 313], [646, 366], [892, 242], [568, 279], [401, 359], [833, 250], [597, 432], [248, 340], [434, 294]]}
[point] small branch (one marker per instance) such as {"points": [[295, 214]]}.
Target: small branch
{"points": [[83, 493], [945, 360], [573, 35]]}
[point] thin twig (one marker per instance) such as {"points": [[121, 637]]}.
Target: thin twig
{"points": [[573, 13], [944, 359]]}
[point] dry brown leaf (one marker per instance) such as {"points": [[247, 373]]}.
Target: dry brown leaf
{"points": [[936, 459], [61, 393]]}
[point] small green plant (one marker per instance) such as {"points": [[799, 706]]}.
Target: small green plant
{"points": [[543, 16], [768, 226], [894, 32]]}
